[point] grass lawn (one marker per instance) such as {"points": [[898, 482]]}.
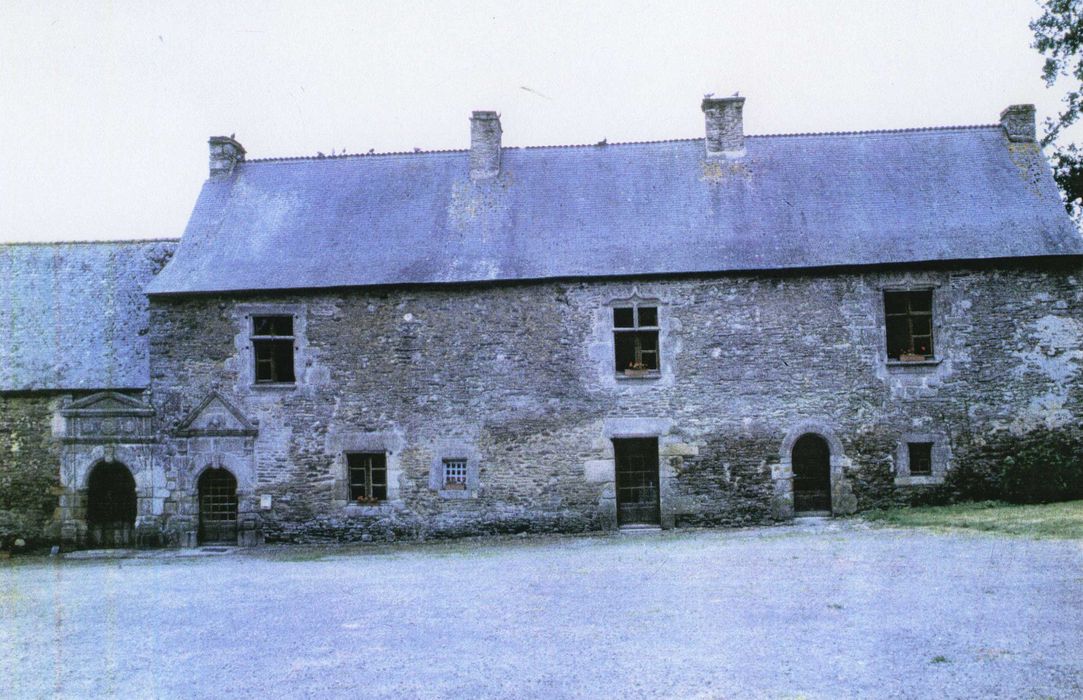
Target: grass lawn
{"points": [[1050, 520]]}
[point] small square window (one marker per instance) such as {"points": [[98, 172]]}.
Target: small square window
{"points": [[368, 476], [455, 474], [909, 319], [272, 349], [921, 458], [635, 338]]}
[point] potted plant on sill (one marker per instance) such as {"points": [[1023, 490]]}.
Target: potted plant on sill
{"points": [[911, 356], [366, 501], [636, 369]]}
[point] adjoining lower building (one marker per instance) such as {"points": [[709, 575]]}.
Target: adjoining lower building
{"points": [[703, 332]]}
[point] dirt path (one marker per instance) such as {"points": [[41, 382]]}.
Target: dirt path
{"points": [[779, 613]]}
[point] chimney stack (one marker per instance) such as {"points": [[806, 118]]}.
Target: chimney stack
{"points": [[1018, 123], [485, 134], [225, 154], [725, 126]]}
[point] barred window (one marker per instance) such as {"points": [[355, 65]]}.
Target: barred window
{"points": [[455, 473]]}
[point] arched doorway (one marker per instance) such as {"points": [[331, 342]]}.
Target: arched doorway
{"points": [[217, 507], [110, 512], [811, 475]]}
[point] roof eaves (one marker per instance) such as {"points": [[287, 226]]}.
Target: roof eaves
{"points": [[119, 241]]}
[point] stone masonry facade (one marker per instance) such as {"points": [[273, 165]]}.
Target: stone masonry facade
{"points": [[518, 380], [696, 332]]}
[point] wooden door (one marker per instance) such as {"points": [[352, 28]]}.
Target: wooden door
{"points": [[811, 475], [637, 481]]}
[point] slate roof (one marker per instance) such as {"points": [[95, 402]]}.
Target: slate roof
{"points": [[798, 201], [74, 315]]}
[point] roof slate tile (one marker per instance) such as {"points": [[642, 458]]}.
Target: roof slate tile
{"points": [[632, 209]]}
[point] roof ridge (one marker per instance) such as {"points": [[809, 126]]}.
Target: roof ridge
{"points": [[437, 151], [343, 156], [116, 241], [910, 130]]}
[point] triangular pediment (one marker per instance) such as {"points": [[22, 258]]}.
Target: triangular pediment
{"points": [[109, 402], [216, 416]]}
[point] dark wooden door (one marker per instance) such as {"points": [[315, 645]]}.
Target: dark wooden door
{"points": [[217, 507], [811, 475], [111, 506], [637, 481]]}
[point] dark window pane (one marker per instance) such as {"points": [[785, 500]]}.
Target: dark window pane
{"points": [[898, 336], [624, 344], [921, 301], [923, 345], [921, 458], [921, 325], [272, 325], [648, 316], [265, 364], [648, 348], [283, 350], [895, 302], [623, 318]]}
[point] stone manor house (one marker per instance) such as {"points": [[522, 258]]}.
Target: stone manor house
{"points": [[708, 331]]}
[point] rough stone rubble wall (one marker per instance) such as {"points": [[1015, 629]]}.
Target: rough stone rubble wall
{"points": [[521, 377], [29, 468]]}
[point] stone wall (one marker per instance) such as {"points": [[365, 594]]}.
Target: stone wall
{"points": [[29, 474], [520, 378]]}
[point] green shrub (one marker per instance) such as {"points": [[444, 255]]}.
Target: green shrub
{"points": [[1045, 467], [978, 475]]}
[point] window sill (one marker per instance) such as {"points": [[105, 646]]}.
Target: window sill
{"points": [[458, 494], [924, 480], [650, 374], [274, 386], [933, 362], [353, 508]]}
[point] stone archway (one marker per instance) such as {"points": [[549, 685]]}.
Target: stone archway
{"points": [[111, 506], [842, 500]]}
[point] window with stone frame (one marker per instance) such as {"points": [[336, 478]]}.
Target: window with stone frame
{"points": [[367, 473], [454, 474], [272, 349], [635, 339], [920, 458], [909, 319]]}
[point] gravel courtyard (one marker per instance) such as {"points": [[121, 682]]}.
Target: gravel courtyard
{"points": [[831, 610]]}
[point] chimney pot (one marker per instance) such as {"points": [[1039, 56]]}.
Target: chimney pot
{"points": [[225, 154], [725, 126], [485, 133], [1018, 123]]}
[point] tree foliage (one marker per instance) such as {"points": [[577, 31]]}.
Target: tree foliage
{"points": [[1058, 36]]}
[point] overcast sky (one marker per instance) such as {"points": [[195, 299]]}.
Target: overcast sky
{"points": [[105, 107]]}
